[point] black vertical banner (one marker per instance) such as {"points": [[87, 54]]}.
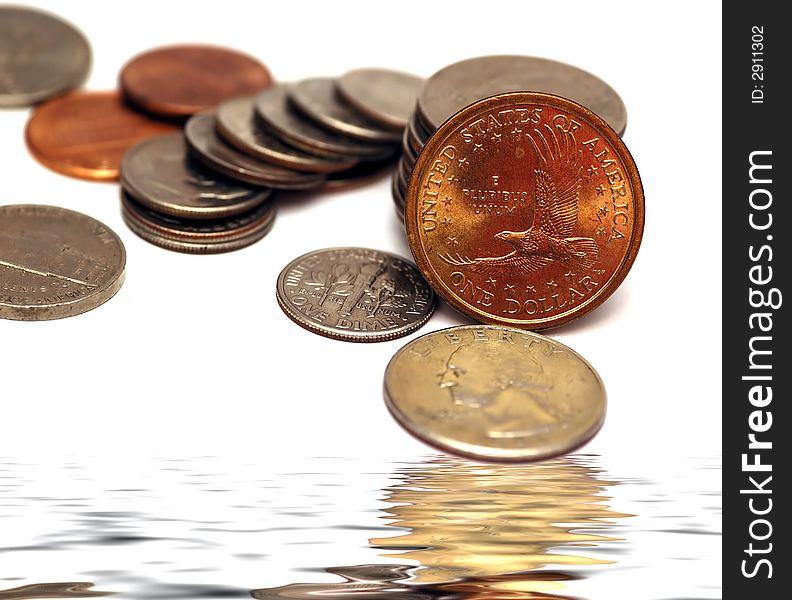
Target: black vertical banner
{"points": [[757, 228]]}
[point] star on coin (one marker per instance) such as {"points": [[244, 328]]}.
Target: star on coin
{"points": [[452, 240], [602, 211], [600, 231], [491, 282], [462, 161], [591, 171], [601, 190], [552, 283], [569, 274], [496, 137], [477, 147], [508, 287], [446, 221], [451, 179], [447, 201], [529, 289], [516, 133]]}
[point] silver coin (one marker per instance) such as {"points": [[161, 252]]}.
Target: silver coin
{"points": [[456, 86], [317, 99], [385, 96], [355, 294], [158, 173], [210, 150], [55, 263], [197, 237], [272, 107], [41, 56], [237, 125]]}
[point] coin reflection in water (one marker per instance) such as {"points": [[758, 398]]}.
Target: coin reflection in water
{"points": [[490, 524]]}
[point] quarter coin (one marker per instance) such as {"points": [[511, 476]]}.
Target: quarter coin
{"points": [[462, 83], [237, 125], [526, 210], [178, 81], [355, 294], [494, 393], [159, 174], [208, 148], [55, 263], [41, 56], [85, 134], [317, 98], [385, 96]]}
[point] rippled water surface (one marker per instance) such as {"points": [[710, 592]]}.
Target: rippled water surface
{"points": [[439, 527]]}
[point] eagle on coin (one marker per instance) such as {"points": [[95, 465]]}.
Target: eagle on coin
{"points": [[556, 196]]}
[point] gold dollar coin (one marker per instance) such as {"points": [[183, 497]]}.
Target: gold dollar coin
{"points": [[495, 393]]}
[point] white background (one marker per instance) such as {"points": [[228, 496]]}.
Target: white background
{"points": [[193, 356]]}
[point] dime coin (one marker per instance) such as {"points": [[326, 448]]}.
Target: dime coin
{"points": [[272, 107], [237, 125], [385, 96], [460, 84], [85, 134], [178, 81], [494, 393], [197, 236], [55, 263], [355, 294], [41, 56], [212, 151], [159, 174], [525, 209], [317, 98]]}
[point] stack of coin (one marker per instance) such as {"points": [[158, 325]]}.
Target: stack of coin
{"points": [[171, 201], [458, 85], [318, 133]]}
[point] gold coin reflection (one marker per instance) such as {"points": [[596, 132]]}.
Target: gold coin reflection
{"points": [[475, 522]]}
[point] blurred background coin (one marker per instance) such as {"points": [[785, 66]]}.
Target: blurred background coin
{"points": [[178, 81], [85, 134], [385, 96], [41, 56]]}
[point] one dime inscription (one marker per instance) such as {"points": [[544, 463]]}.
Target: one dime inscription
{"points": [[355, 294], [525, 209]]}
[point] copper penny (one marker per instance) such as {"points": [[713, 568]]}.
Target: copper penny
{"points": [[385, 96], [237, 125], [460, 84], [317, 98], [178, 81], [41, 56], [85, 134], [525, 209]]}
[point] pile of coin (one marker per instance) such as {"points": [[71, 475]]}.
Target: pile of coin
{"points": [[460, 84], [208, 190], [310, 134]]}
